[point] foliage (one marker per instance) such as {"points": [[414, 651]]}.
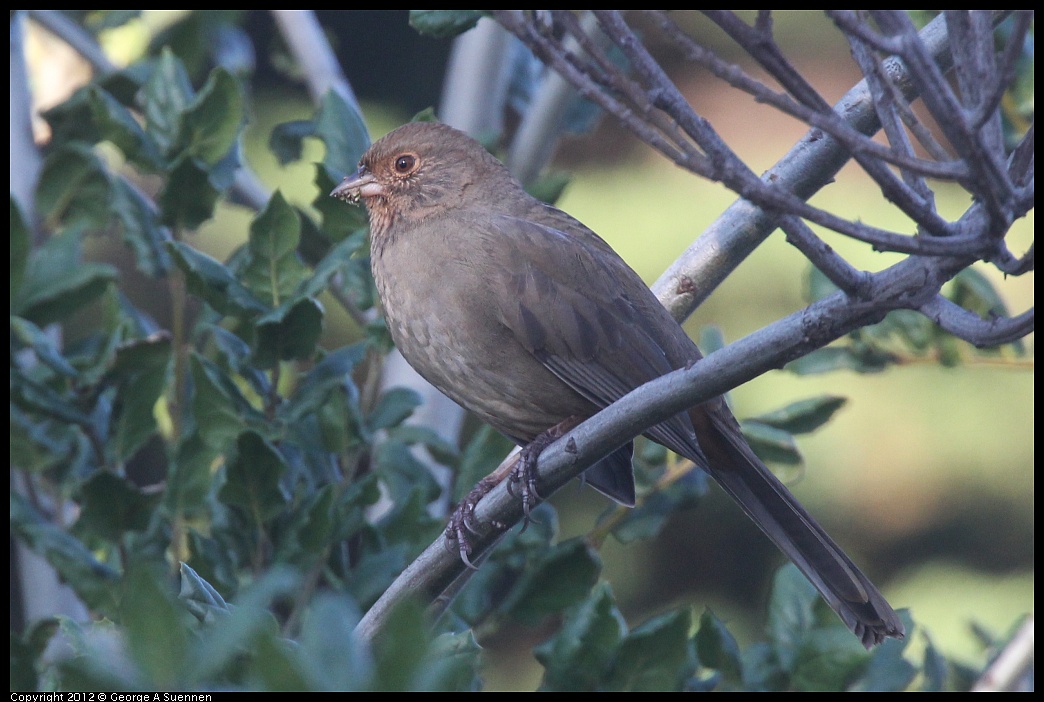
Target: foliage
{"points": [[243, 494]]}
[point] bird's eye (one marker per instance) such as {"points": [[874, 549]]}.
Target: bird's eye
{"points": [[405, 164]]}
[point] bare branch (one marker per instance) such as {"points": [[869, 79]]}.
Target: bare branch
{"points": [[967, 325]]}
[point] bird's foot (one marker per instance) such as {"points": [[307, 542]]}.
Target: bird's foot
{"points": [[521, 474], [462, 522]]}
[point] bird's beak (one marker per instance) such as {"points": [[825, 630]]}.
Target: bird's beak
{"points": [[358, 185]]}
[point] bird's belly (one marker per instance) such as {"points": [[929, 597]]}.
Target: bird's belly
{"points": [[459, 346]]}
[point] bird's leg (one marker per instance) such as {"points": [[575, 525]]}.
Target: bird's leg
{"points": [[519, 470]]}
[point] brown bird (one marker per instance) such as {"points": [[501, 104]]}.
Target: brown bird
{"points": [[527, 318]]}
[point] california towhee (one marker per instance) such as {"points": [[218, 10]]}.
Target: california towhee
{"points": [[527, 318]]}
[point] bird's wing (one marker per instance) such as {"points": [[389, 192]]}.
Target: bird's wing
{"points": [[588, 317]]}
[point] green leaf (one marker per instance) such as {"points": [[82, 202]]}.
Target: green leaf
{"points": [[165, 96], [401, 647], [214, 283], [287, 140], [31, 336], [224, 645], [211, 123], [577, 657], [289, 333], [656, 656], [331, 655], [804, 416], [20, 238], [647, 519], [482, 454], [556, 579], [40, 399], [717, 649], [74, 189], [57, 283], [140, 229], [791, 617], [93, 582], [340, 219], [27, 651], [189, 195], [889, 671], [110, 506], [190, 479], [343, 131], [140, 370], [860, 358], [219, 408], [444, 24], [274, 269], [330, 374], [771, 444], [116, 124], [200, 596], [253, 478], [453, 664], [393, 407], [829, 661]]}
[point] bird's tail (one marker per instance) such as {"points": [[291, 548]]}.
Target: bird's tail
{"points": [[767, 501]]}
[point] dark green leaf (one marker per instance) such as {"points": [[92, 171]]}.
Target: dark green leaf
{"points": [[340, 220], [332, 373], [190, 477], [253, 478], [803, 416], [344, 133], [393, 407], [453, 664], [155, 626], [40, 399], [287, 140], [791, 615], [166, 95], [20, 238], [223, 645], [717, 649], [31, 336], [331, 655], [274, 269], [74, 189], [26, 653], [116, 124], [200, 596], [935, 668], [140, 228], [214, 283], [110, 506], [865, 359], [401, 648], [444, 24], [140, 370], [93, 582], [647, 519], [888, 671], [829, 661], [656, 656], [556, 579], [289, 333], [211, 123], [189, 195], [771, 444], [578, 655], [482, 454], [219, 408]]}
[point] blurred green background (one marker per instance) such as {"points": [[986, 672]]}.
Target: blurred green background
{"points": [[926, 475]]}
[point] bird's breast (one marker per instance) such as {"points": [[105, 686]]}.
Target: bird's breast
{"points": [[441, 307]]}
